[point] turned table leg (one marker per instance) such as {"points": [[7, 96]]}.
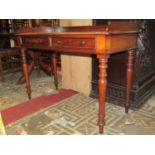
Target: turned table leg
{"points": [[30, 67], [54, 66], [102, 85], [21, 80], [129, 78], [25, 70]]}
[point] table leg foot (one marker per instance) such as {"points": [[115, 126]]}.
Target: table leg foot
{"points": [[101, 123], [29, 96], [126, 110], [101, 129]]}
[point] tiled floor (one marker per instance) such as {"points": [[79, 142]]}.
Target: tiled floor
{"points": [[76, 115]]}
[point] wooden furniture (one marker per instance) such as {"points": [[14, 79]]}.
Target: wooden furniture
{"points": [[4, 26], [101, 41], [5, 34], [5, 40], [36, 60], [144, 68], [45, 22], [8, 61], [8, 55]]}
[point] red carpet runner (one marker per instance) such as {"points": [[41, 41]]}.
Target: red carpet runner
{"points": [[19, 111]]}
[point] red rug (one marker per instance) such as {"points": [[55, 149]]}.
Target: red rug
{"points": [[19, 111]]}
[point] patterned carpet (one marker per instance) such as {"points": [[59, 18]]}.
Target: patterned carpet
{"points": [[72, 116]]}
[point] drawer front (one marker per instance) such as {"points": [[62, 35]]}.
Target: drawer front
{"points": [[64, 42], [32, 41]]}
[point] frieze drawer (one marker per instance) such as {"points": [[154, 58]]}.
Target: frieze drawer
{"points": [[64, 42], [39, 41]]}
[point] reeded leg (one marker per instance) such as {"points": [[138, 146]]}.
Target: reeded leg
{"points": [[129, 78], [25, 70], [54, 66], [102, 84]]}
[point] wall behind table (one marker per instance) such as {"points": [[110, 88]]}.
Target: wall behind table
{"points": [[76, 70]]}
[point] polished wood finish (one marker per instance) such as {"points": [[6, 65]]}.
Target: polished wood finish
{"points": [[37, 61], [25, 70], [143, 70], [30, 66], [100, 41], [129, 78], [102, 82]]}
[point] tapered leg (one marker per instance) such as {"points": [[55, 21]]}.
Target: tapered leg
{"points": [[102, 85], [30, 67], [25, 70], [129, 78], [54, 66]]}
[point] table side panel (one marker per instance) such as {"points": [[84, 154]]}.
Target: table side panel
{"points": [[120, 42]]}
